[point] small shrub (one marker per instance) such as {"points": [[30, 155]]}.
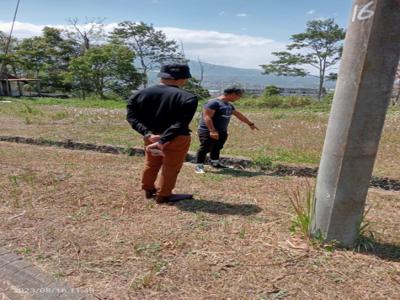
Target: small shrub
{"points": [[328, 98], [23, 250], [366, 237], [294, 101], [263, 162], [302, 202], [271, 90], [273, 101]]}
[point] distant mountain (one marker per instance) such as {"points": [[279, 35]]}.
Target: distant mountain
{"points": [[217, 77]]}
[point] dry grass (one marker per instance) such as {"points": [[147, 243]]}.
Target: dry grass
{"points": [[289, 137], [81, 216]]}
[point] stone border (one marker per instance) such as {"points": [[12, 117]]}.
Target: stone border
{"points": [[239, 163], [22, 280]]}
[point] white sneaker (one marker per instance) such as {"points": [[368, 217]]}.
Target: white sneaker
{"points": [[199, 169], [216, 164]]}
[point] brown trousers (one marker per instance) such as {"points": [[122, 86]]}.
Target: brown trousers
{"points": [[170, 165]]}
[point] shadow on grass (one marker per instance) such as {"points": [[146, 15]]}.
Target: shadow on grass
{"points": [[216, 207], [237, 173], [384, 251]]}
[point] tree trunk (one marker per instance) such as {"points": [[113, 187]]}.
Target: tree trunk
{"points": [[201, 72], [321, 82], [397, 98], [101, 89], [39, 88], [18, 83], [145, 78], [321, 86]]}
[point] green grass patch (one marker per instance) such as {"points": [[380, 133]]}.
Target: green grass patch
{"points": [[302, 201], [73, 102], [294, 156]]}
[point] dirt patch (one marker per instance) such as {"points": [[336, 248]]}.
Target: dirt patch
{"points": [[81, 216]]}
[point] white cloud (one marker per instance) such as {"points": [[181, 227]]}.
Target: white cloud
{"points": [[311, 12], [241, 15], [22, 30], [243, 51], [221, 13]]}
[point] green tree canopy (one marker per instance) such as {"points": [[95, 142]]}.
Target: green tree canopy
{"points": [[151, 46], [320, 46], [271, 90], [6, 59], [105, 68], [3, 42], [193, 85], [47, 57]]}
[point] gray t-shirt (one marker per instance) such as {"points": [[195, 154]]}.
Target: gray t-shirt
{"points": [[222, 116]]}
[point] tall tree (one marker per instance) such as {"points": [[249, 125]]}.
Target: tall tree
{"points": [[151, 46], [320, 46], [87, 33], [32, 56], [194, 86], [3, 41], [105, 68], [47, 57], [6, 50]]}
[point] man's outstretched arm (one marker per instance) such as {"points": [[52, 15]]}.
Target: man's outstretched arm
{"points": [[244, 119]]}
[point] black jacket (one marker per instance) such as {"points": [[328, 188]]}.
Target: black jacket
{"points": [[162, 109]]}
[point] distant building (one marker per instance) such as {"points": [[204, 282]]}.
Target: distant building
{"points": [[254, 91], [283, 91], [300, 92], [214, 93]]}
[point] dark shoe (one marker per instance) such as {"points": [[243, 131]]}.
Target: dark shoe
{"points": [[150, 193], [173, 198]]}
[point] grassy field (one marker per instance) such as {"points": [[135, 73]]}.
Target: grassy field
{"points": [[289, 136], [80, 216]]}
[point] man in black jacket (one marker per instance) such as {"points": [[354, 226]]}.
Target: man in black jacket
{"points": [[162, 114]]}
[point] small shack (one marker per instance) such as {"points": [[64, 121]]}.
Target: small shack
{"points": [[12, 86]]}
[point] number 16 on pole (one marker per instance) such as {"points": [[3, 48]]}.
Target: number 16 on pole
{"points": [[363, 12]]}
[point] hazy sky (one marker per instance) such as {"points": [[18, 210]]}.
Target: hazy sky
{"points": [[240, 33]]}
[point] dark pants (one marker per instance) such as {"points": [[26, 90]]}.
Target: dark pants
{"points": [[207, 144]]}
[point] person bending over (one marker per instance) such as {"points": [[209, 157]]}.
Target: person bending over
{"points": [[213, 126]]}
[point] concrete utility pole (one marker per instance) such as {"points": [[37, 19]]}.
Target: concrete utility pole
{"points": [[366, 75]]}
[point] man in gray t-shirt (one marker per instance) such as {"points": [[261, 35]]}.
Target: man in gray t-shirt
{"points": [[213, 127]]}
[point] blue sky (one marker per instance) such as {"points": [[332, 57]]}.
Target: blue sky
{"points": [[229, 32]]}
